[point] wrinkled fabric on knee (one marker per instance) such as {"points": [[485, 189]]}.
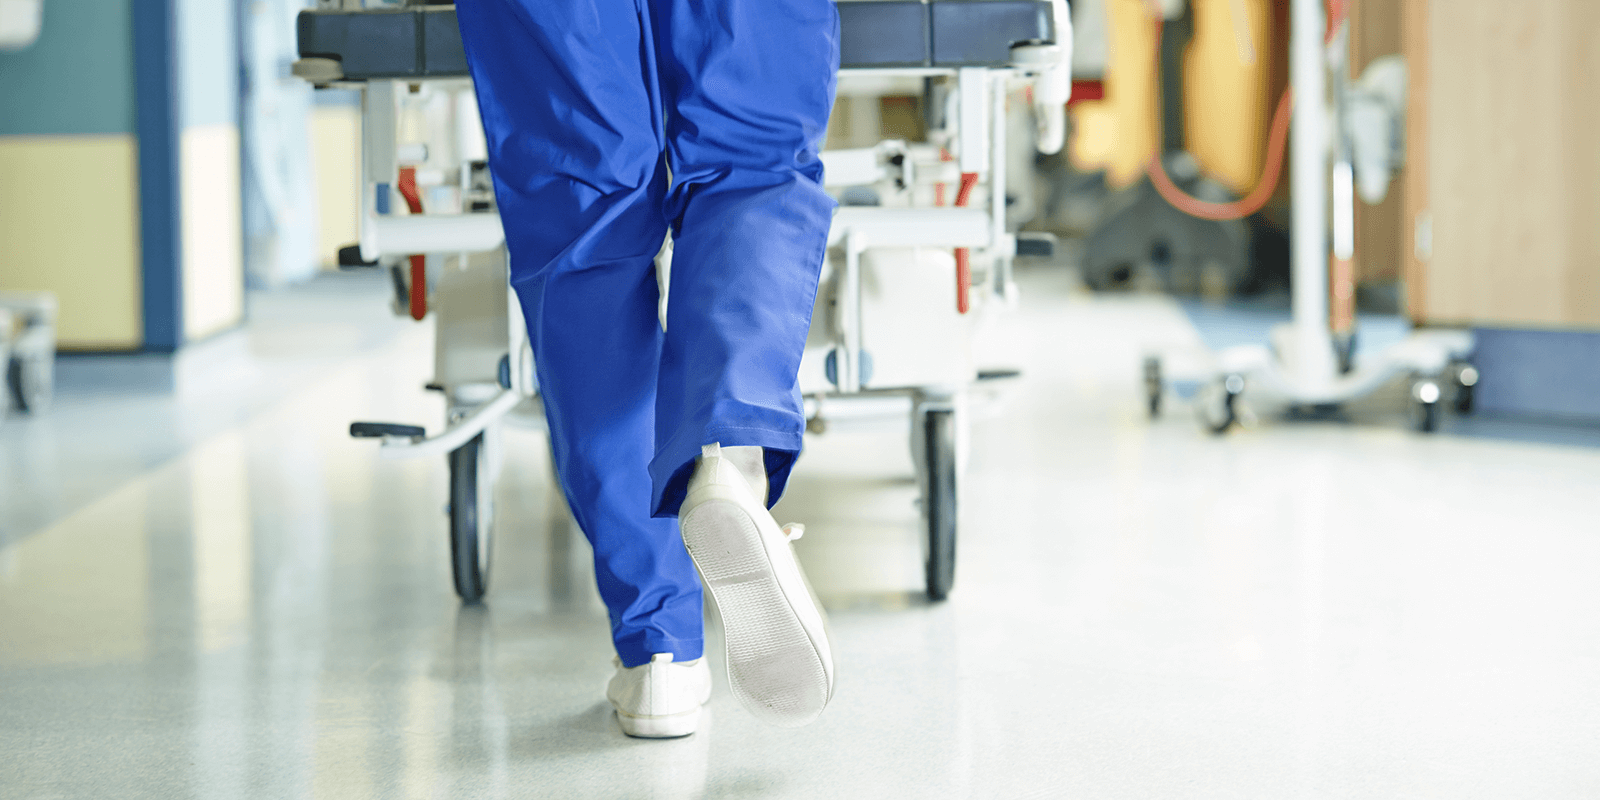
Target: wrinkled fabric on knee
{"points": [[585, 105]]}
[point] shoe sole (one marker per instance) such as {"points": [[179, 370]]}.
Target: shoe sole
{"points": [[779, 663], [668, 727]]}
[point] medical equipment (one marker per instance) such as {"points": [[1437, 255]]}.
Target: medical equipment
{"points": [[1146, 236], [7, 327], [896, 308], [1312, 360], [29, 362]]}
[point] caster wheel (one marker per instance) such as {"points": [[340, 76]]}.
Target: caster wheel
{"points": [[1153, 385], [1344, 348], [1219, 407], [28, 380], [1426, 393], [1430, 418], [939, 501], [1466, 382], [19, 397], [471, 520]]}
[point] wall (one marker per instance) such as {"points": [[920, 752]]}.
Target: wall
{"points": [[1507, 112], [336, 160], [281, 207], [1374, 32], [1502, 194], [83, 159], [208, 167], [69, 211], [1228, 72], [1118, 134], [1226, 94]]}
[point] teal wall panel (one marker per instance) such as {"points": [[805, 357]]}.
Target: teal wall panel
{"points": [[78, 78]]}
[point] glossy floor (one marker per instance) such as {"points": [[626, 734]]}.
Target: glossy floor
{"points": [[1309, 609]]}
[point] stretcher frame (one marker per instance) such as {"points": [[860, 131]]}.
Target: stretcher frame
{"points": [[972, 59]]}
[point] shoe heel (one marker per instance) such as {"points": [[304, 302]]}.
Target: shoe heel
{"points": [[774, 667], [660, 727]]}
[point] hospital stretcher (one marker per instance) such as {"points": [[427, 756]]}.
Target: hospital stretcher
{"points": [[905, 281]]}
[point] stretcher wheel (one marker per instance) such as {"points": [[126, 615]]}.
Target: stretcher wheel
{"points": [[1219, 407], [16, 383], [471, 520], [1344, 351], [29, 381], [1153, 384], [939, 501], [1426, 393], [1428, 420], [1463, 400], [1465, 378]]}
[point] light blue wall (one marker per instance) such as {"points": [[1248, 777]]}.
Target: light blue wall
{"points": [[78, 77], [208, 62], [281, 219]]}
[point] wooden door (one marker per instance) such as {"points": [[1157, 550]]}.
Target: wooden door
{"points": [[1502, 203]]}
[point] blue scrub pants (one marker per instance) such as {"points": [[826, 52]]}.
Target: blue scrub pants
{"points": [[609, 121]]}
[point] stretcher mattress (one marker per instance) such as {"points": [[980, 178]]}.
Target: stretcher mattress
{"points": [[424, 42]]}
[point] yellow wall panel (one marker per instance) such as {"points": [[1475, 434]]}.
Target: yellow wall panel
{"points": [[1225, 111], [69, 224], [1118, 134], [1226, 75], [336, 154]]}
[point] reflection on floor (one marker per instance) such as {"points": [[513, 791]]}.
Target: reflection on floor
{"points": [[115, 417], [1320, 609]]}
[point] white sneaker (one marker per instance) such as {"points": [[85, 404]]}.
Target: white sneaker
{"points": [[661, 699], [780, 664]]}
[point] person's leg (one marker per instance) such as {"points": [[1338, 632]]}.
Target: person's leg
{"points": [[573, 118], [748, 85]]}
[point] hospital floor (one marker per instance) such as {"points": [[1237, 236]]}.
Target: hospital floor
{"points": [[213, 592]]}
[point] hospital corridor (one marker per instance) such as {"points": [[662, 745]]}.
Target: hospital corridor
{"points": [[682, 399], [248, 604]]}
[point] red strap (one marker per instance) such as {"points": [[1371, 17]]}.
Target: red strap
{"points": [[407, 184], [963, 257], [1087, 90], [408, 189]]}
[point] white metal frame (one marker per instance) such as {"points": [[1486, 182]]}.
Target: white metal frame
{"points": [[383, 237], [979, 139]]}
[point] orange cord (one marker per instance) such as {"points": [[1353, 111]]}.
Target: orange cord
{"points": [[407, 185], [1249, 204], [1272, 169]]}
